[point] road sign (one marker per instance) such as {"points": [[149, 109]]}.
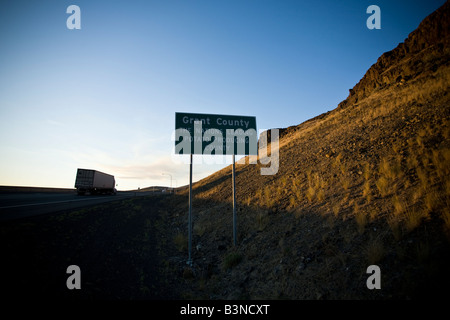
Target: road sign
{"points": [[209, 134]]}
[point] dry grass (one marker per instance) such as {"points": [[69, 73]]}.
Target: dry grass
{"points": [[375, 251], [345, 182], [431, 201], [336, 208], [367, 171], [394, 224], [360, 217], [263, 220], [423, 177], [181, 242], [367, 193], [296, 193], [310, 193], [411, 161], [413, 218], [320, 195], [383, 186], [446, 218], [399, 205]]}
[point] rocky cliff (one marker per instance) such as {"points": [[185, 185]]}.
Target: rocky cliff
{"points": [[425, 50]]}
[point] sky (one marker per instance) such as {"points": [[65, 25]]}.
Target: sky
{"points": [[104, 97]]}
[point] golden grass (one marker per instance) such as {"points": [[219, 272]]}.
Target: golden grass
{"points": [[383, 186], [310, 193], [394, 224], [336, 208], [367, 171], [399, 205], [345, 182], [367, 191], [413, 218], [360, 217], [411, 169], [431, 201], [412, 162], [423, 177], [320, 195], [270, 198]]}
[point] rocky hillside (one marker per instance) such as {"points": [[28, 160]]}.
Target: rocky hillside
{"points": [[366, 183]]}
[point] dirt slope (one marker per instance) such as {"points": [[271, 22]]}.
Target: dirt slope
{"points": [[367, 183]]}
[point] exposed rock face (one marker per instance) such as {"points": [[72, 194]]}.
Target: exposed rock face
{"points": [[425, 50]]}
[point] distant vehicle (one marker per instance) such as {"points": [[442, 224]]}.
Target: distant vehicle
{"points": [[94, 182]]}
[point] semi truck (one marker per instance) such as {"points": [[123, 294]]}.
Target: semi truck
{"points": [[91, 182]]}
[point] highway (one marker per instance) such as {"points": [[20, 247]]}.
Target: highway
{"points": [[18, 205]]}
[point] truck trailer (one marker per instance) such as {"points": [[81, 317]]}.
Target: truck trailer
{"points": [[94, 182]]}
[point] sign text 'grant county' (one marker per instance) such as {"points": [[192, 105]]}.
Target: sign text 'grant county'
{"points": [[215, 134]]}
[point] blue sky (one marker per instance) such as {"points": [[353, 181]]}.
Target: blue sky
{"points": [[105, 96]]}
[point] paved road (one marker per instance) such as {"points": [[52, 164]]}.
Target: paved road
{"points": [[24, 204]]}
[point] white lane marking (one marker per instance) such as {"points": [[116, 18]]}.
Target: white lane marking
{"points": [[44, 203]]}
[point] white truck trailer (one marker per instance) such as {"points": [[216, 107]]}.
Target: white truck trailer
{"points": [[94, 182]]}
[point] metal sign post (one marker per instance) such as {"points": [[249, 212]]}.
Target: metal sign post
{"points": [[234, 204], [189, 262]]}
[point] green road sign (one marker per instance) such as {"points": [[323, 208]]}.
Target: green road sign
{"points": [[209, 134]]}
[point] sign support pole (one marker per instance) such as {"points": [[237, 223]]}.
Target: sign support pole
{"points": [[189, 262], [234, 203]]}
